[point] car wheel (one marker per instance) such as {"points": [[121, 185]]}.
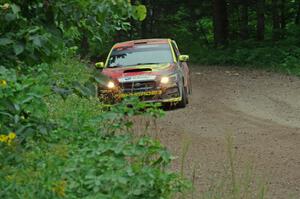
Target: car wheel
{"points": [[190, 86], [187, 96], [184, 98]]}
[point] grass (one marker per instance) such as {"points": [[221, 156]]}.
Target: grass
{"points": [[234, 183]]}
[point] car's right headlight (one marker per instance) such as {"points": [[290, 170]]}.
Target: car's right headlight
{"points": [[170, 78], [165, 80]]}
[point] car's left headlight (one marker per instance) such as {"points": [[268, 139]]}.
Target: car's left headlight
{"points": [[169, 79], [111, 85]]}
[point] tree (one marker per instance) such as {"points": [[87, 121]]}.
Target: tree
{"points": [[283, 21], [260, 34], [244, 30], [220, 21], [276, 20]]}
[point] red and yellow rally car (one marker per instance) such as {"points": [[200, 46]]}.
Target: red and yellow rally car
{"points": [[152, 69]]}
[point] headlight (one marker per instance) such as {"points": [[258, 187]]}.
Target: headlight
{"points": [[165, 80], [111, 85], [168, 79]]}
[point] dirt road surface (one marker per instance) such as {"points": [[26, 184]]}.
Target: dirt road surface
{"points": [[260, 110]]}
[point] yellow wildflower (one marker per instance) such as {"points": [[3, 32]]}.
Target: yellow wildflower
{"points": [[3, 138], [12, 135], [3, 83], [8, 138]]}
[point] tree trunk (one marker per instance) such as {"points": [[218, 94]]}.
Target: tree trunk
{"points": [[260, 35], [282, 18], [276, 20], [244, 31], [220, 20]]}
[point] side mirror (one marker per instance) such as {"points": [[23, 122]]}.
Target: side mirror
{"points": [[99, 65], [184, 58]]}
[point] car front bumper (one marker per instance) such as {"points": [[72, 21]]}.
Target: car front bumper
{"points": [[162, 95]]}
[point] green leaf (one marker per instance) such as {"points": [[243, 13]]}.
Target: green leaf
{"points": [[140, 12], [5, 41], [18, 48], [34, 30], [15, 8], [10, 17], [37, 41]]}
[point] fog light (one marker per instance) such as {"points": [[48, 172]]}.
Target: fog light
{"points": [[111, 85], [165, 80]]}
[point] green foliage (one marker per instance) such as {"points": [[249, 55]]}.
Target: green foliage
{"points": [[90, 151], [22, 109], [115, 176], [275, 56], [69, 76], [140, 12], [95, 22], [23, 39], [87, 159], [37, 31]]}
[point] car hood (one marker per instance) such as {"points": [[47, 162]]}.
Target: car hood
{"points": [[149, 69]]}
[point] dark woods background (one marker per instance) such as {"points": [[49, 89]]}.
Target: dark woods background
{"points": [[262, 33], [219, 21]]}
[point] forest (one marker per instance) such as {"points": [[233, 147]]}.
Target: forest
{"points": [[256, 33], [57, 140]]}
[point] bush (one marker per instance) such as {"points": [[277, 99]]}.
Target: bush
{"points": [[89, 159], [22, 109]]}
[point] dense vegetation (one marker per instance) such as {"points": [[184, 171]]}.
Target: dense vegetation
{"points": [[57, 140], [73, 147]]}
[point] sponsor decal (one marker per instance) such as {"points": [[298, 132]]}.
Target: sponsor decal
{"points": [[140, 94], [137, 78]]}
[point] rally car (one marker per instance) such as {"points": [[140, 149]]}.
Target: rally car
{"points": [[152, 69]]}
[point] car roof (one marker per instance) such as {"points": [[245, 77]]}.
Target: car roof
{"points": [[141, 42]]}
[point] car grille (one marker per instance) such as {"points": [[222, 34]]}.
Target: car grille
{"points": [[138, 86]]}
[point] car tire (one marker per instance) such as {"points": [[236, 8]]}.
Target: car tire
{"points": [[184, 98], [187, 96], [190, 86]]}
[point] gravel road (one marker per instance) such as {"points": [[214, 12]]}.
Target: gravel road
{"points": [[260, 110]]}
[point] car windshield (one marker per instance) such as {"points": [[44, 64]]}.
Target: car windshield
{"points": [[140, 55]]}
